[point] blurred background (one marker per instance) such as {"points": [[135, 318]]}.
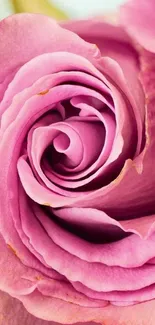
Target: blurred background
{"points": [[59, 9]]}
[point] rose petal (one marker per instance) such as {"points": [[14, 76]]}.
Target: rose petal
{"points": [[81, 134], [137, 17], [12, 312], [50, 309], [5, 83], [126, 252], [43, 65], [22, 280], [143, 227], [114, 43], [17, 32], [97, 29], [100, 277], [133, 188], [118, 297]]}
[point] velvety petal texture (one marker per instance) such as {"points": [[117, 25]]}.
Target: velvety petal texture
{"points": [[13, 312], [77, 144]]}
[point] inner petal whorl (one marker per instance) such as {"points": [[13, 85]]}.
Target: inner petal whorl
{"points": [[61, 143]]}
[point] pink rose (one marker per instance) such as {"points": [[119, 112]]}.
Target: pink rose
{"points": [[77, 177]]}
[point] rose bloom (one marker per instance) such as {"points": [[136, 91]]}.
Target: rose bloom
{"points": [[77, 176]]}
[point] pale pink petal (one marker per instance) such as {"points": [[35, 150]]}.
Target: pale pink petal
{"points": [[137, 17], [97, 29], [143, 313], [17, 32], [12, 312]]}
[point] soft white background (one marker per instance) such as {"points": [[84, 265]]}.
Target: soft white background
{"points": [[74, 8]]}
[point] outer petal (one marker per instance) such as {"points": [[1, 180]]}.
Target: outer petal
{"points": [[97, 29], [24, 36], [111, 40], [141, 314], [12, 312], [48, 308], [137, 17]]}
